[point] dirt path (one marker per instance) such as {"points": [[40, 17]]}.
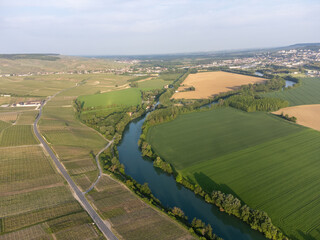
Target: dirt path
{"points": [[99, 166]]}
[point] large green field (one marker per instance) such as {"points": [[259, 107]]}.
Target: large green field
{"points": [[307, 93], [270, 164], [127, 97]]}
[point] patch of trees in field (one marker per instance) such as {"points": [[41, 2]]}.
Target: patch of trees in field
{"points": [[255, 103], [286, 116]]}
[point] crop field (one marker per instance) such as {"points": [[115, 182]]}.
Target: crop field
{"points": [[29, 218], [4, 125], [22, 167], [131, 217], [17, 135], [34, 232], [38, 86], [307, 115], [127, 97], [10, 117], [71, 140], [64, 63], [32, 192], [278, 173], [194, 134], [208, 84], [154, 83], [307, 93], [27, 117]]}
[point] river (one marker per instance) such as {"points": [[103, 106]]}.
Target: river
{"points": [[165, 188], [289, 83]]}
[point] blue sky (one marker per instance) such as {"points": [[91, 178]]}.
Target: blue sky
{"points": [[106, 27]]}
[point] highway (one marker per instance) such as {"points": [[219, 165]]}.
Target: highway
{"points": [[81, 198]]}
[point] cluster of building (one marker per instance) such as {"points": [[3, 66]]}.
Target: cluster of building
{"points": [[293, 58], [24, 104]]}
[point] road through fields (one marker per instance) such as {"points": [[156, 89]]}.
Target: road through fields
{"points": [[81, 198]]}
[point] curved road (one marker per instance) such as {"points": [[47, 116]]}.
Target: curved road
{"points": [[83, 201], [99, 167]]}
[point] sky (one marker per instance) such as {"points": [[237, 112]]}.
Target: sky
{"points": [[126, 27]]}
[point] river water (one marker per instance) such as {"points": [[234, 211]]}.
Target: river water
{"points": [[289, 83], [165, 188]]}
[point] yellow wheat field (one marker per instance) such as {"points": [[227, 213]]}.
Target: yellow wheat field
{"points": [[307, 115], [208, 84]]}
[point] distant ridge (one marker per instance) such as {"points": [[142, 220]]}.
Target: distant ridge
{"points": [[206, 54], [39, 56]]}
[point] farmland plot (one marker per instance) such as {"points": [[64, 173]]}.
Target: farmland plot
{"points": [[269, 163]]}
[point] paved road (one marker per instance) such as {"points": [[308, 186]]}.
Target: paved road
{"points": [[100, 169], [84, 202]]}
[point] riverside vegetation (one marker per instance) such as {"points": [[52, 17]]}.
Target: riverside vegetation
{"points": [[247, 99], [167, 111]]}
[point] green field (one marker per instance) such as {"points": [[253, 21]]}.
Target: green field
{"points": [[202, 136], [71, 140], [127, 97], [27, 117], [153, 84], [307, 93], [4, 125], [17, 135], [270, 164]]}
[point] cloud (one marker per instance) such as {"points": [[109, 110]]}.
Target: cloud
{"points": [[146, 26]]}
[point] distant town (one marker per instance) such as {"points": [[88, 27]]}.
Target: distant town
{"points": [[291, 59]]}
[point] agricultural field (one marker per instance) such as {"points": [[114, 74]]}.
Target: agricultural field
{"points": [[33, 195], [35, 86], [130, 216], [236, 130], [4, 125], [62, 64], [208, 84], [127, 97], [71, 140], [307, 93], [307, 115], [27, 117], [155, 83], [9, 117], [17, 135], [267, 162]]}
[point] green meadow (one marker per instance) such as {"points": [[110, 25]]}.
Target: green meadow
{"points": [[307, 93], [269, 163], [126, 97]]}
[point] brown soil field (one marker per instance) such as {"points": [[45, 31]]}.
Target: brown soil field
{"points": [[307, 115], [208, 84]]}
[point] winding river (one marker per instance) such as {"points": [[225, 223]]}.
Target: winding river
{"points": [[171, 194]]}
